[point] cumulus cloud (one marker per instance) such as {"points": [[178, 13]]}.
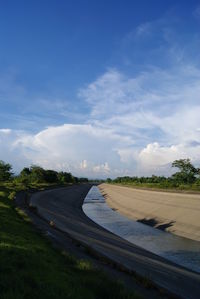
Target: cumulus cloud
{"points": [[168, 101], [81, 149], [83, 164], [102, 169], [86, 150], [157, 159], [137, 125], [158, 110]]}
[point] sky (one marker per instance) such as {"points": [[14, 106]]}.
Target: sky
{"points": [[100, 88]]}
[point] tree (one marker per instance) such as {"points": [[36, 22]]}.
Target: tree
{"points": [[5, 171], [187, 171], [108, 180], [25, 172], [24, 176], [51, 176], [65, 177], [37, 174]]}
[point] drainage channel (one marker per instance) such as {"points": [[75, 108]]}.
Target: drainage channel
{"points": [[182, 251]]}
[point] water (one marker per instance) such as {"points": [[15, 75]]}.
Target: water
{"points": [[182, 251]]}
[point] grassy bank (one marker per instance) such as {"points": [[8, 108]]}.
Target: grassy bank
{"points": [[193, 188], [31, 268]]}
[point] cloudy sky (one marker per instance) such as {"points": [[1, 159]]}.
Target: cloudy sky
{"points": [[100, 88]]}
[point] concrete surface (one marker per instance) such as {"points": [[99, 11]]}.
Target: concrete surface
{"points": [[177, 213]]}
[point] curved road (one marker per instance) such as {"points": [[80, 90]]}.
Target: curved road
{"points": [[64, 208]]}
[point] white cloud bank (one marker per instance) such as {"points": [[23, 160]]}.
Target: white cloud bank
{"points": [[88, 150], [81, 149], [137, 126]]}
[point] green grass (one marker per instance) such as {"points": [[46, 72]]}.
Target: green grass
{"points": [[31, 268], [162, 187]]}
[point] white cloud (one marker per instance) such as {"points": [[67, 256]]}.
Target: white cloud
{"points": [[83, 164], [164, 100], [81, 149], [155, 158], [102, 169], [128, 155], [85, 151], [138, 125], [158, 110], [5, 131], [154, 155]]}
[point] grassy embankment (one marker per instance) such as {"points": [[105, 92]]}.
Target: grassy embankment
{"points": [[31, 268], [192, 188]]}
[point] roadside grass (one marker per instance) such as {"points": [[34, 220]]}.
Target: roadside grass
{"points": [[31, 268]]}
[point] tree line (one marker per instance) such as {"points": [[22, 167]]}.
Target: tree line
{"points": [[187, 175], [36, 175]]}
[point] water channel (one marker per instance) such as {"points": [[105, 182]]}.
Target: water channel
{"points": [[182, 251]]}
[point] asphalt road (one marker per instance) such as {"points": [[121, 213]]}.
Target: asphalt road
{"points": [[63, 207]]}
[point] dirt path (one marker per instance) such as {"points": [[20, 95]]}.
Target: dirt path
{"points": [[174, 212]]}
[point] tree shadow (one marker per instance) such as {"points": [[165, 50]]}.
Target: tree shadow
{"points": [[154, 223]]}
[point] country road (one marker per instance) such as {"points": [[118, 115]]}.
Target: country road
{"points": [[64, 208]]}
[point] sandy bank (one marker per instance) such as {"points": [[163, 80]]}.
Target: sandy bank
{"points": [[174, 212]]}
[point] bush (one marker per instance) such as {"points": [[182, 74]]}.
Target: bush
{"points": [[12, 195]]}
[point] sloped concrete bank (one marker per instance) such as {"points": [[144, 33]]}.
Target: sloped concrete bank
{"points": [[177, 213], [182, 251]]}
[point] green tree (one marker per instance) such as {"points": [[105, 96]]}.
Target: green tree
{"points": [[24, 176], [65, 177], [5, 171], [51, 176], [187, 172], [37, 174], [25, 172], [108, 180]]}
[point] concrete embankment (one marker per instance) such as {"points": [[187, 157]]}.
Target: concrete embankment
{"points": [[177, 213]]}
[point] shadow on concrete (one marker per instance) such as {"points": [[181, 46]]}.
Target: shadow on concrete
{"points": [[154, 223]]}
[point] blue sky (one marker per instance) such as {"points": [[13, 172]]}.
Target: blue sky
{"points": [[100, 88]]}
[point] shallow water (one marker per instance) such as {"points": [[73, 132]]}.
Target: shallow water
{"points": [[182, 251]]}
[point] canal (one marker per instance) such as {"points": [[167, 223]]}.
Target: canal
{"points": [[182, 251]]}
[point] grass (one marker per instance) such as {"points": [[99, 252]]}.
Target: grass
{"points": [[31, 268], [157, 186]]}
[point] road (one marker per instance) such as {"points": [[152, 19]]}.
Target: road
{"points": [[63, 207]]}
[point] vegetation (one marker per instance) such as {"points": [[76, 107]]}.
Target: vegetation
{"points": [[35, 176], [187, 178], [5, 171], [31, 268]]}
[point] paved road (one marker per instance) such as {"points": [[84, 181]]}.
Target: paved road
{"points": [[64, 208]]}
